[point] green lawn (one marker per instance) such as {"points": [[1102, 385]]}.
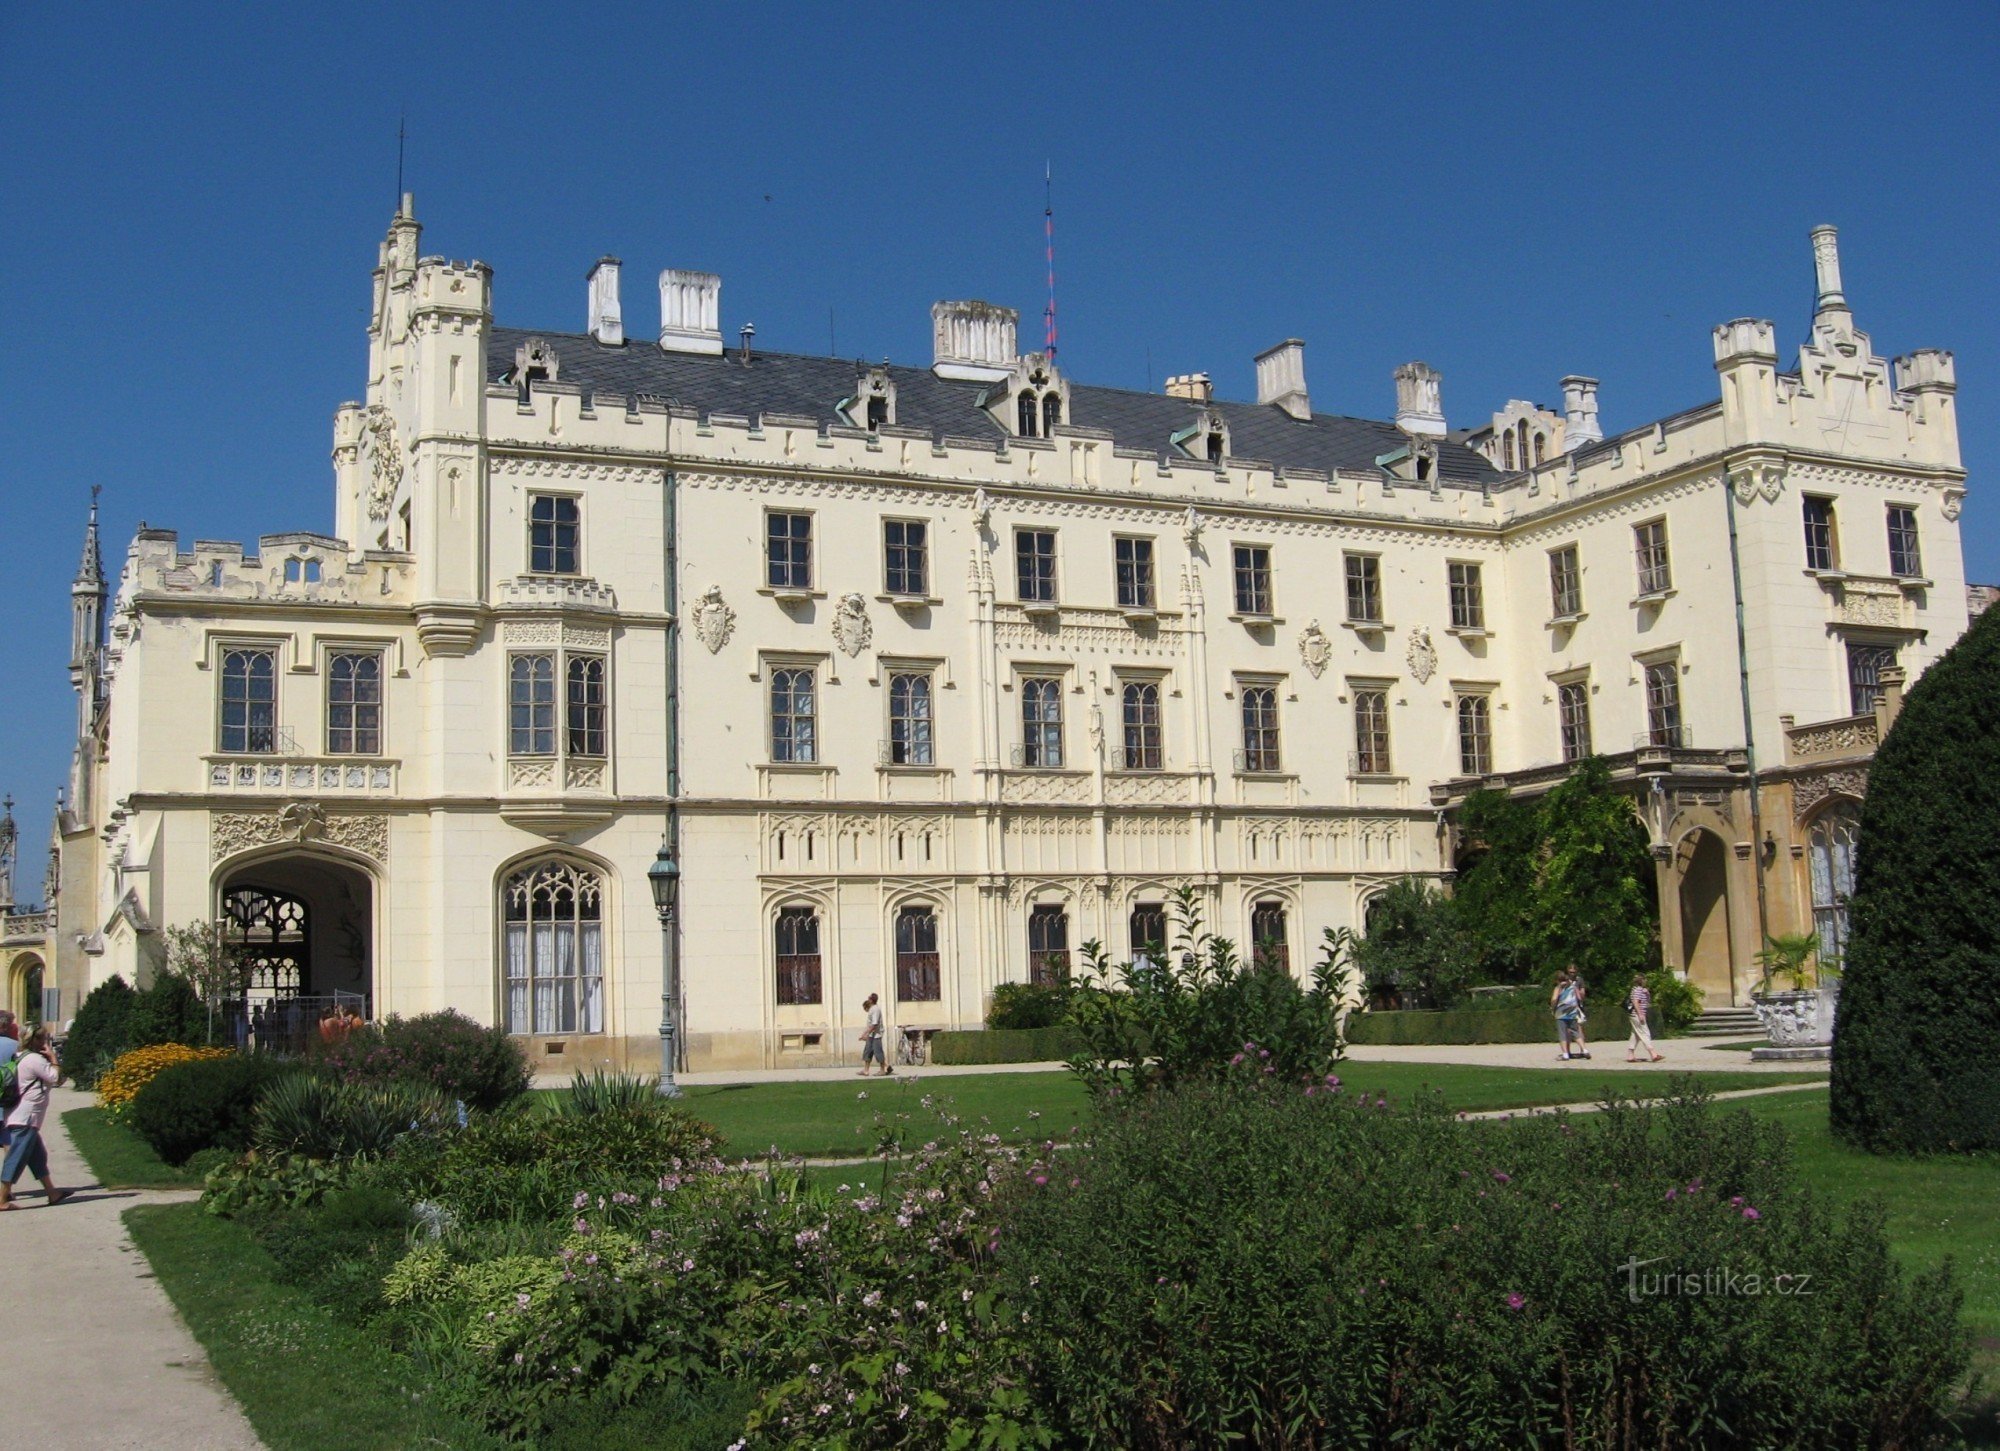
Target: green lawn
{"points": [[831, 1120], [120, 1158]]}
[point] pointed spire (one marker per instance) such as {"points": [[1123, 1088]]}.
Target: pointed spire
{"points": [[91, 571]]}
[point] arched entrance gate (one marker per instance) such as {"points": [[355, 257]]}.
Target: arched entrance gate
{"points": [[301, 928]]}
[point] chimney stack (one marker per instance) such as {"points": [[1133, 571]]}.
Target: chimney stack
{"points": [[1826, 271], [1194, 387], [607, 319], [1580, 425], [690, 312], [1419, 406], [1281, 378], [973, 341]]}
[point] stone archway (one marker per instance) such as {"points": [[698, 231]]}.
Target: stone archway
{"points": [[303, 926], [1707, 953], [24, 988]]}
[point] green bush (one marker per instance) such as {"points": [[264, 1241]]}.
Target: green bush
{"points": [[101, 1030], [601, 1092], [1232, 1264], [1006, 1045], [320, 1118], [1914, 1068], [1417, 952], [1676, 1001], [1028, 1005], [170, 1012], [1604, 1026], [363, 1206], [206, 1103], [480, 1066]]}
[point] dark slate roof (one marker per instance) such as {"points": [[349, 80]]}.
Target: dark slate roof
{"points": [[813, 387]]}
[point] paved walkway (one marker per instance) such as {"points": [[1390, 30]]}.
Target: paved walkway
{"points": [[108, 1365], [1681, 1056]]}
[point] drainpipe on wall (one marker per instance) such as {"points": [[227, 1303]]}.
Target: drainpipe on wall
{"points": [[670, 508], [1749, 728]]}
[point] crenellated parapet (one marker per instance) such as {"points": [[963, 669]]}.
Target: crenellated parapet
{"points": [[286, 569]]}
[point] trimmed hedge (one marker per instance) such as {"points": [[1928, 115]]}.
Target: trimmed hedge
{"points": [[1485, 1025], [1913, 1062], [1006, 1045]]}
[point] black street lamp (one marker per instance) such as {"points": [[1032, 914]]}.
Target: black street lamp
{"points": [[664, 876]]}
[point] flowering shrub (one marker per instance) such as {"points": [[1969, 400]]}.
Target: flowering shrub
{"points": [[131, 1071], [1247, 1263], [481, 1066]]}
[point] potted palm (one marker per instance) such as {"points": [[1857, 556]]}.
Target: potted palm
{"points": [[1798, 1019]]}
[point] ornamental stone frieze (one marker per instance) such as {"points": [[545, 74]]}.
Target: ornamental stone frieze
{"points": [[1809, 792], [302, 823], [384, 449]]}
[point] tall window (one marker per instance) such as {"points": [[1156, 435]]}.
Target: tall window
{"points": [[1148, 929], [1051, 413], [554, 941], [584, 715], [1906, 559], [1830, 850], [1134, 561], [249, 700], [1475, 735], [1507, 450], [1268, 945], [1048, 945], [1041, 723], [1024, 411], [910, 720], [1865, 664], [788, 551], [1663, 703], [354, 703], [1253, 579], [1364, 589], [531, 705], [1649, 543], [797, 943], [917, 976], [555, 525], [905, 552], [1468, 597], [1371, 733], [1573, 711], [794, 717], [1142, 725], [1565, 583], [1260, 728], [1822, 538], [1035, 565], [878, 413]]}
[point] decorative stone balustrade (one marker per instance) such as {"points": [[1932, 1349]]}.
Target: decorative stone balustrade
{"points": [[1854, 735], [341, 775], [558, 592], [26, 926]]}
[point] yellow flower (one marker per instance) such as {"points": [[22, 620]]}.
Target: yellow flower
{"points": [[121, 1083]]}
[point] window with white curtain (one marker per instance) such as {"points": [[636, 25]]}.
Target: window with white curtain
{"points": [[553, 940]]}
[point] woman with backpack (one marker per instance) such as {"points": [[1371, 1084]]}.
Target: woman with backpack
{"points": [[35, 1073]]}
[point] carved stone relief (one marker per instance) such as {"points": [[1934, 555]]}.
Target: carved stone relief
{"points": [[231, 832], [852, 629], [714, 621], [1422, 654], [1809, 792], [385, 459], [1315, 649]]}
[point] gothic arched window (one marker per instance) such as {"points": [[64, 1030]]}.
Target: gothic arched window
{"points": [[1051, 413], [553, 913], [917, 975], [797, 944], [1026, 410], [1830, 851]]}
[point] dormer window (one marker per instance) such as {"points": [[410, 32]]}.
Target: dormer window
{"points": [[1051, 413], [1426, 465], [1217, 445], [1028, 413], [532, 360], [874, 400], [878, 413]]}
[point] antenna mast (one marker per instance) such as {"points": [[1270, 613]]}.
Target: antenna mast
{"points": [[1049, 236], [400, 119]]}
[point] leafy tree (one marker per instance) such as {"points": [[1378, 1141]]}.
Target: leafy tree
{"points": [[101, 1031], [1496, 881], [197, 954], [170, 1011], [1914, 1068], [1417, 948]]}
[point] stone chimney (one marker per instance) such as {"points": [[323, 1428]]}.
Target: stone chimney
{"points": [[1580, 425], [1194, 387], [1419, 405], [607, 319], [1281, 378], [690, 312], [973, 341], [1827, 296]]}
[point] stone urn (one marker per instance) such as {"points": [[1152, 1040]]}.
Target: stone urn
{"points": [[1799, 1024]]}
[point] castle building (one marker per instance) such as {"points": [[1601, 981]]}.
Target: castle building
{"points": [[928, 675]]}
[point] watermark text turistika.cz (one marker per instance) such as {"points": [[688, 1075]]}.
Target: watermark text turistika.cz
{"points": [[1642, 1283]]}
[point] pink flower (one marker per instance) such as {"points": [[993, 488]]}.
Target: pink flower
{"points": [[1671, 1193], [1749, 1213], [1515, 1300], [1502, 1177]]}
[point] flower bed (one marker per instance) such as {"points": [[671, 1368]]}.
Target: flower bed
{"points": [[119, 1084]]}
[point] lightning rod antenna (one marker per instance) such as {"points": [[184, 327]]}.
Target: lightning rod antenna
{"points": [[1049, 237]]}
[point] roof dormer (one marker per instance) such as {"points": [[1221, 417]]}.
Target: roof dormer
{"points": [[1033, 400], [873, 402], [1206, 438]]}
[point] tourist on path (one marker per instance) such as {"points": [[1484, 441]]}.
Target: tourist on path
{"points": [[37, 1074], [10, 1038], [871, 1038], [1567, 1000], [1638, 1003]]}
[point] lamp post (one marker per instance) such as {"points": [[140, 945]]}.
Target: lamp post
{"points": [[664, 876]]}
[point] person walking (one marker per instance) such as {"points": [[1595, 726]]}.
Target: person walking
{"points": [[1638, 1003], [10, 1037], [1567, 1001], [871, 1037], [36, 1073]]}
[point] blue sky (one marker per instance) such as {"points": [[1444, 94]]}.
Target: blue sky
{"points": [[193, 196]]}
